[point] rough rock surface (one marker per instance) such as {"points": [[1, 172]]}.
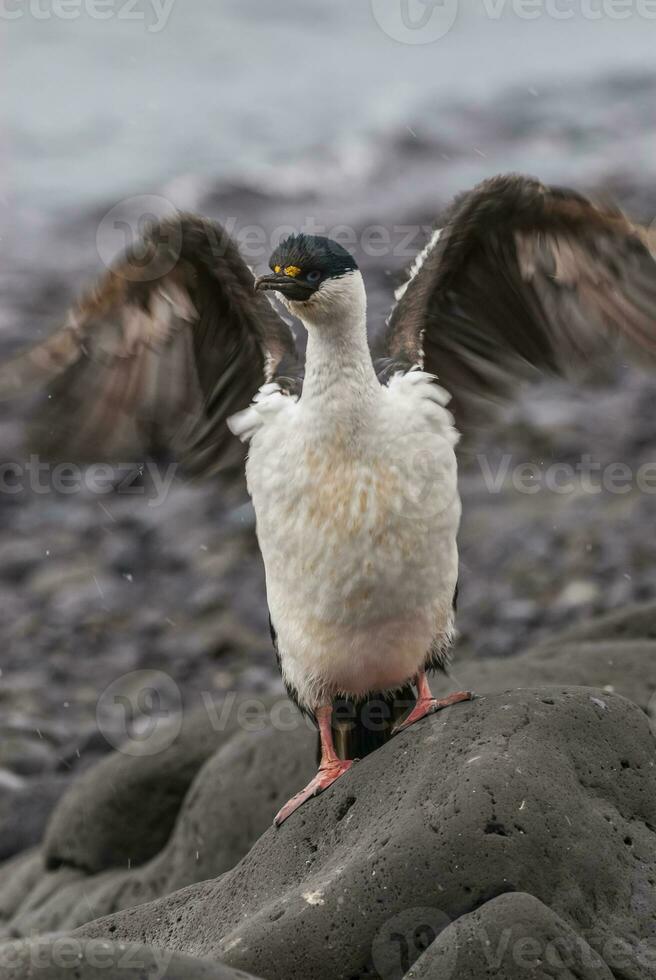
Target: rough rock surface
{"points": [[229, 782], [513, 937], [627, 668], [621, 667], [545, 792], [25, 809], [635, 622], [230, 803], [65, 958], [616, 653], [121, 812]]}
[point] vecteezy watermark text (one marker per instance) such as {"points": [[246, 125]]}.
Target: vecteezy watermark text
{"points": [[67, 953], [568, 9], [427, 21], [154, 14], [589, 951], [152, 481], [586, 477], [140, 713], [149, 480], [134, 225]]}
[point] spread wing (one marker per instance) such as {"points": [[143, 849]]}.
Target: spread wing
{"points": [[170, 343], [522, 277]]}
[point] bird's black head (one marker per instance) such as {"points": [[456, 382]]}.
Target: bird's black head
{"points": [[302, 263]]}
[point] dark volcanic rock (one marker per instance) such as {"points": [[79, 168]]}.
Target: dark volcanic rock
{"points": [[229, 805], [627, 668], [616, 653], [514, 937], [635, 622], [18, 878], [25, 811], [546, 792], [64, 958], [121, 812]]}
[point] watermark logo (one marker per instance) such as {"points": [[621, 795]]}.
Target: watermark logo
{"points": [[427, 21], [140, 713], [512, 950], [41, 477], [67, 955], [415, 477], [587, 477], [589, 10], [153, 14], [145, 231], [403, 939], [145, 234], [415, 21]]}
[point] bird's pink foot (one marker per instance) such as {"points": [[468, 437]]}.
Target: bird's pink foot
{"points": [[328, 773], [427, 706]]}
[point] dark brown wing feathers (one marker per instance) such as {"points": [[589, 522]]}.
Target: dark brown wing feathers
{"points": [[524, 276], [174, 339], [171, 342]]}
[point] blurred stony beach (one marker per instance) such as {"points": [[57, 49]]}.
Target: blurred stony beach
{"points": [[96, 586]]}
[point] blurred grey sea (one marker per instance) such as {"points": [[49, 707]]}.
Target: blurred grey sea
{"points": [[93, 110]]}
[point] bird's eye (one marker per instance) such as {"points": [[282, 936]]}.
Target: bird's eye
{"points": [[313, 276]]}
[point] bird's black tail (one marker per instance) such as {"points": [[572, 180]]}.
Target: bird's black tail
{"points": [[361, 727]]}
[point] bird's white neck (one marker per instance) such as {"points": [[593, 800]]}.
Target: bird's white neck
{"points": [[338, 367]]}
